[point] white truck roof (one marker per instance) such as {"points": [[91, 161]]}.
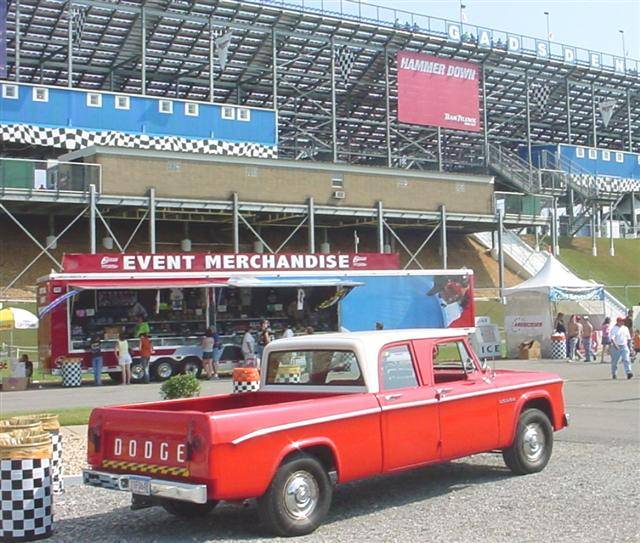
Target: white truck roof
{"points": [[366, 346]]}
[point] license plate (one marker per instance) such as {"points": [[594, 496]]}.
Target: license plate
{"points": [[140, 485]]}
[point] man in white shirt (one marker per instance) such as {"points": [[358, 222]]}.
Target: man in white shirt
{"points": [[249, 348], [620, 337]]}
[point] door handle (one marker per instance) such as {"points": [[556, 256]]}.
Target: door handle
{"points": [[443, 391], [390, 397]]}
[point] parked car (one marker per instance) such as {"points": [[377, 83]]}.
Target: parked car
{"points": [[331, 409]]}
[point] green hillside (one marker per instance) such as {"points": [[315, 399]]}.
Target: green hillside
{"points": [[620, 273]]}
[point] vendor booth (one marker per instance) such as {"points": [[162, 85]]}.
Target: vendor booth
{"points": [[175, 298], [531, 307]]}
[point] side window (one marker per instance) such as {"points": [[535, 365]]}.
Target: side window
{"points": [[397, 368], [451, 361]]}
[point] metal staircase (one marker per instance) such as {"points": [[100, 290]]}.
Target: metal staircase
{"points": [[527, 262]]}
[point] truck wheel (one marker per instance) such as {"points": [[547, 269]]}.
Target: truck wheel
{"points": [[137, 372], [193, 366], [163, 369], [298, 498], [532, 446], [188, 509]]}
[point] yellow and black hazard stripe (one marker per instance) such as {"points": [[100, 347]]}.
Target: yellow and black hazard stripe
{"points": [[153, 469]]}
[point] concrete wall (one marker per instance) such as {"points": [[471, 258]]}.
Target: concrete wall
{"points": [[181, 176]]}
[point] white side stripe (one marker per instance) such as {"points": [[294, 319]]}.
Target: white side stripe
{"points": [[388, 407], [309, 422]]}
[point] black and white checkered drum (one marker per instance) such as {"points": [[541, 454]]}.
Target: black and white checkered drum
{"points": [[25, 489], [245, 386], [558, 348], [57, 482], [288, 374], [71, 374]]}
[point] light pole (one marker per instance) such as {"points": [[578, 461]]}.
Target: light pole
{"points": [[463, 17], [546, 14]]}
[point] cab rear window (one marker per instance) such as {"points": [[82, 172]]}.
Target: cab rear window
{"points": [[314, 367]]}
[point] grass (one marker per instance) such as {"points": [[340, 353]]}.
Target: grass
{"points": [[67, 417]]}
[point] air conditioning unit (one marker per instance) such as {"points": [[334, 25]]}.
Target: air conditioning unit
{"points": [[339, 194]]}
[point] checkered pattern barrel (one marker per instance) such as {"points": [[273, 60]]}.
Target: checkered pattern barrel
{"points": [[71, 374], [245, 380], [25, 489], [558, 347], [288, 374], [56, 463]]}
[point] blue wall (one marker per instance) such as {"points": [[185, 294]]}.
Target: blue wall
{"points": [[67, 108], [579, 159]]}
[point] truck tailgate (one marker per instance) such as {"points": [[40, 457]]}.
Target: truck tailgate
{"points": [[169, 444]]}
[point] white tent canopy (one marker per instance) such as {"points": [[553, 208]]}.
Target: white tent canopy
{"points": [[532, 305], [553, 274]]}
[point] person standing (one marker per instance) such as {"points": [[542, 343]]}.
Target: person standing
{"points": [[620, 338], [574, 333], [559, 326], [249, 348], [146, 350], [207, 352], [96, 360], [288, 331], [606, 340], [124, 358], [264, 337], [217, 351], [587, 332]]}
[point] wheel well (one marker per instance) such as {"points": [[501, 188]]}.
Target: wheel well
{"points": [[323, 453], [542, 404]]}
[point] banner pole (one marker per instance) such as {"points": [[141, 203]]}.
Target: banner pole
{"points": [[387, 105]]}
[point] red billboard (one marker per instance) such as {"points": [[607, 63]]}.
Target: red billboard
{"points": [[441, 92]]}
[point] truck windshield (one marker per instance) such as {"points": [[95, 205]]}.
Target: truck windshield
{"points": [[314, 367]]}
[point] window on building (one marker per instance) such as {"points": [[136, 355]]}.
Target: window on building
{"points": [[606, 155], [580, 152], [593, 154], [244, 114], [40, 94], [228, 113], [451, 361], [123, 102], [191, 109], [94, 99], [165, 106], [619, 157], [397, 369], [10, 92], [337, 181]]}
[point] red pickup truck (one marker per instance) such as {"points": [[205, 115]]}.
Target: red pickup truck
{"points": [[331, 408]]}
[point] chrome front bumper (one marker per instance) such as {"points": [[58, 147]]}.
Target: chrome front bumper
{"points": [[159, 488]]}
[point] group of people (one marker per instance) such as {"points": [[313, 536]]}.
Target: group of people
{"points": [[616, 340]]}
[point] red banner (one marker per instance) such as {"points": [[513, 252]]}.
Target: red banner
{"points": [[440, 92], [220, 262]]}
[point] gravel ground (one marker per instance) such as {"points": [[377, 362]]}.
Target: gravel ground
{"points": [[588, 493], [74, 449]]}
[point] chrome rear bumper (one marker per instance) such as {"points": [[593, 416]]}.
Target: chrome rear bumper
{"points": [[159, 488]]}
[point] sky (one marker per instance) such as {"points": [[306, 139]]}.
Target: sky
{"points": [[590, 24]]}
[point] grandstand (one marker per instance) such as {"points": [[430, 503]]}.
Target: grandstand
{"points": [[318, 89]]}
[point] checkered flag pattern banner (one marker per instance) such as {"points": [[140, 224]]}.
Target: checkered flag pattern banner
{"points": [[78, 18], [539, 95], [25, 490], [345, 59], [71, 374], [245, 386]]}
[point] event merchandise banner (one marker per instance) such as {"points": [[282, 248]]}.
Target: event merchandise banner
{"points": [[219, 262], [436, 91]]}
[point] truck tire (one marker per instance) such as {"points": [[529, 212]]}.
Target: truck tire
{"points": [[137, 372], [533, 443], [116, 377], [162, 369], [188, 509], [298, 498], [192, 365]]}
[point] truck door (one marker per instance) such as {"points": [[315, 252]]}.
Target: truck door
{"points": [[467, 408], [410, 430]]}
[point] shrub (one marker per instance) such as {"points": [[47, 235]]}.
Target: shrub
{"points": [[180, 386]]}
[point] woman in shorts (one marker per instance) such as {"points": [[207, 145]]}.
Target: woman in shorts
{"points": [[606, 338], [208, 343], [124, 358]]}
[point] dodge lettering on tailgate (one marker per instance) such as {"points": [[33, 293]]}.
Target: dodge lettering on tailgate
{"points": [[330, 409]]}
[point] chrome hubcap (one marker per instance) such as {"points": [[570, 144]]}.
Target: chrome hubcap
{"points": [[191, 368], [164, 370], [533, 442], [300, 495], [136, 371]]}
